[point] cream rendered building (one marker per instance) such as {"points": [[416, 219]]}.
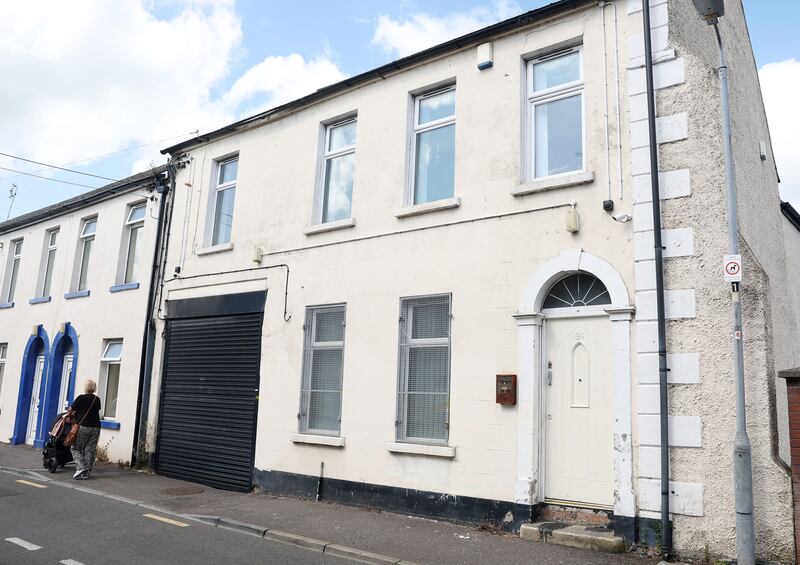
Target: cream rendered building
{"points": [[352, 276], [75, 283]]}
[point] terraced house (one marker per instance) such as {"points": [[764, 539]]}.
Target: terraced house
{"points": [[75, 284], [431, 288]]}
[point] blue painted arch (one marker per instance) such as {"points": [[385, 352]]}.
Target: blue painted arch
{"points": [[38, 344], [50, 407]]}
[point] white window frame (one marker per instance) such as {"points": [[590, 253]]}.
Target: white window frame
{"points": [[417, 129], [3, 355], [216, 189], [552, 94], [12, 272], [309, 346], [131, 226], [326, 157], [404, 348], [48, 262], [80, 266], [106, 362]]}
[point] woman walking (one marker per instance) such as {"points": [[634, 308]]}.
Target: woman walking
{"points": [[86, 412]]}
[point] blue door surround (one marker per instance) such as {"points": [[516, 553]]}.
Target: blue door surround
{"points": [[38, 344], [52, 389]]}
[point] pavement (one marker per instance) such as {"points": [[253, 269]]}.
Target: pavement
{"points": [[355, 533]]}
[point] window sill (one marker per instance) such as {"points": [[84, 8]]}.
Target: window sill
{"points": [[550, 183], [435, 206], [123, 287], [215, 249], [109, 424], [5, 305], [39, 300], [329, 226], [333, 441], [76, 294], [422, 449]]}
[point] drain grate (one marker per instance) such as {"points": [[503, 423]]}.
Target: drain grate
{"points": [[181, 491]]}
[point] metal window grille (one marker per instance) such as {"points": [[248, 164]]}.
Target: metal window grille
{"points": [[577, 290], [323, 354], [423, 396]]}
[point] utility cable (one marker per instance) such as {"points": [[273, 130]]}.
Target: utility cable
{"points": [[56, 167], [47, 178]]}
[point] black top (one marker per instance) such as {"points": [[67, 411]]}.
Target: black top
{"points": [[83, 403]]}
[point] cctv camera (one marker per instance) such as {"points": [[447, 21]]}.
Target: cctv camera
{"points": [[622, 218]]}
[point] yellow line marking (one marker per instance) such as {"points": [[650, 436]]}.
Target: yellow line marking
{"points": [[166, 520], [30, 484]]}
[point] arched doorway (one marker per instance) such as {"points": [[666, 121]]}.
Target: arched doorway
{"points": [[574, 399], [28, 425], [59, 391]]}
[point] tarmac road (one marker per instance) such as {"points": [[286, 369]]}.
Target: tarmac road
{"points": [[41, 524]]}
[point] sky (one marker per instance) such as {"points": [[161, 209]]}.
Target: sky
{"points": [[101, 86]]}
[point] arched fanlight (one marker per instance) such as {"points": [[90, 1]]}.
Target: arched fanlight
{"points": [[576, 290]]}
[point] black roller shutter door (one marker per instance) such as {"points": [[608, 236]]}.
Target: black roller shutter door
{"points": [[209, 400]]}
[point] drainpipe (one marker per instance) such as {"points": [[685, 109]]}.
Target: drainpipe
{"points": [[666, 529], [148, 340]]}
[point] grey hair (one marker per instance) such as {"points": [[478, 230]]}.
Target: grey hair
{"points": [[90, 387]]}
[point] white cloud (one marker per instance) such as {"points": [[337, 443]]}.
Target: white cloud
{"points": [[421, 30], [780, 83], [91, 77]]}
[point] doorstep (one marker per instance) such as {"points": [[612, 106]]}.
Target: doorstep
{"points": [[580, 536]]}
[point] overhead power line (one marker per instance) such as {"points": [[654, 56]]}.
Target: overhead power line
{"points": [[47, 178], [56, 167]]}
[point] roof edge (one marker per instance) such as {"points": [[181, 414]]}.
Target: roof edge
{"points": [[791, 214], [83, 200], [522, 20]]}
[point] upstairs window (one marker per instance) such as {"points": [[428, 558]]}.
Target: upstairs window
{"points": [[555, 99], [338, 169], [12, 272], [49, 262], [434, 145], [224, 195], [134, 230], [3, 352], [85, 244]]}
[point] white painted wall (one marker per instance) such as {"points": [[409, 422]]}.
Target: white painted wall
{"points": [[101, 315]]}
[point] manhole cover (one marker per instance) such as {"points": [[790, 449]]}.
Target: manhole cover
{"points": [[182, 491]]}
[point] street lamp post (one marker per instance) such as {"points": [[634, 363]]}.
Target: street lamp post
{"points": [[711, 10]]}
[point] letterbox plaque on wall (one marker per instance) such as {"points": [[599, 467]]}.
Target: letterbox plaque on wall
{"points": [[507, 390]]}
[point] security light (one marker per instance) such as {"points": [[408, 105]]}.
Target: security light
{"points": [[710, 10]]}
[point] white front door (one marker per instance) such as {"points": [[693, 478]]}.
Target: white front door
{"points": [[65, 374], [33, 412], [578, 430]]}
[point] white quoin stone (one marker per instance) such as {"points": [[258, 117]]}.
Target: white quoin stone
{"points": [[659, 38], [677, 243], [666, 74], [650, 462], [684, 431], [677, 304], [645, 275], [671, 184], [649, 399], [684, 368], [673, 127], [636, 6], [684, 498]]}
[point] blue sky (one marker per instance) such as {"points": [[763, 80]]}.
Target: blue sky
{"points": [[95, 77]]}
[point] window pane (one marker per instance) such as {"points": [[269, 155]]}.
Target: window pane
{"points": [[12, 285], [89, 228], [323, 411], [437, 107], [18, 247], [223, 216], [431, 320], [228, 171], [134, 243], [435, 164], [112, 387], [48, 273], [136, 214], [428, 369], [84, 272], [427, 416], [113, 351], [3, 350], [329, 326], [342, 136], [338, 188], [558, 136], [326, 369], [53, 238], [555, 72]]}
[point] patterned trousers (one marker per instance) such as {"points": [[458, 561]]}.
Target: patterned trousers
{"points": [[85, 447]]}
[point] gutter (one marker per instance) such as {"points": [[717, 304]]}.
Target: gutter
{"points": [[791, 214], [380, 73]]}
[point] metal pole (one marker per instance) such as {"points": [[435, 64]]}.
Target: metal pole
{"points": [[742, 459], [666, 526]]}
